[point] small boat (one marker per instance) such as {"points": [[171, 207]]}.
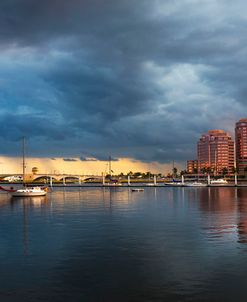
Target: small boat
{"points": [[174, 184], [137, 190], [114, 184], [195, 184], [26, 191], [220, 181], [29, 192]]}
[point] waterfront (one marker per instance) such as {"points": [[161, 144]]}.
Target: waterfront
{"points": [[111, 244]]}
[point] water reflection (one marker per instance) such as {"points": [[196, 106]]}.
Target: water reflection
{"points": [[242, 215], [27, 204], [220, 210], [30, 202], [224, 213], [112, 244]]}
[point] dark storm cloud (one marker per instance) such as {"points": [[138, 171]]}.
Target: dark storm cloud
{"points": [[138, 79], [98, 158], [69, 159]]}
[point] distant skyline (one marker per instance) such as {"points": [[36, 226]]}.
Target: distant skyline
{"points": [[132, 79]]}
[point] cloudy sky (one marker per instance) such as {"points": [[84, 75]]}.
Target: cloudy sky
{"points": [[137, 79]]}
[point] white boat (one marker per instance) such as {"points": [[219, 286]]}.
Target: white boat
{"points": [[29, 192], [220, 181], [174, 184], [195, 184], [113, 184]]}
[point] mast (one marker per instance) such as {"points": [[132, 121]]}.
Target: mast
{"points": [[23, 159], [173, 174], [110, 166]]}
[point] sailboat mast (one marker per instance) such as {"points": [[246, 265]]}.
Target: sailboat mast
{"points": [[23, 158], [173, 174], [110, 166]]}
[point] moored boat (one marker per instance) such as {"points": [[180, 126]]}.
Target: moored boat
{"points": [[26, 191], [29, 192], [174, 184], [195, 184], [220, 181]]}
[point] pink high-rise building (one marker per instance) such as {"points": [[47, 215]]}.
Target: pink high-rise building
{"points": [[215, 151], [241, 145]]}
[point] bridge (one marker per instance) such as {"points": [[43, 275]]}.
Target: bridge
{"points": [[52, 177]]}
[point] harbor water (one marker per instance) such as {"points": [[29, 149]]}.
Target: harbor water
{"points": [[112, 244]]}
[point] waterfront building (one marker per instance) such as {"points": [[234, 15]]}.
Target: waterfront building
{"points": [[241, 145], [192, 166], [215, 151]]}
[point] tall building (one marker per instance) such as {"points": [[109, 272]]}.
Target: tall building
{"points": [[192, 166], [241, 145], [215, 151]]}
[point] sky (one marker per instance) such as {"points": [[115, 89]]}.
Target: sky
{"points": [[134, 79], [74, 166]]}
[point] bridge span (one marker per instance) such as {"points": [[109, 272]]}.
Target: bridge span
{"points": [[52, 177]]}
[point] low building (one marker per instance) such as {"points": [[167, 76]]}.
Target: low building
{"points": [[192, 166]]}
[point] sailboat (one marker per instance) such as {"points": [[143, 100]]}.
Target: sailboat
{"points": [[112, 182], [27, 191]]}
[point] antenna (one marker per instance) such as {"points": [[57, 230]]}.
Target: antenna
{"points": [[173, 174], [23, 158], [110, 166]]}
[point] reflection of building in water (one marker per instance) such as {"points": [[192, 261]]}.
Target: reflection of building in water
{"points": [[219, 209], [217, 200], [242, 217]]}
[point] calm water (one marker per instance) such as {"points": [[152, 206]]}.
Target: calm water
{"points": [[95, 244]]}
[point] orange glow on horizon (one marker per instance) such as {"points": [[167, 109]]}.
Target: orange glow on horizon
{"points": [[13, 165]]}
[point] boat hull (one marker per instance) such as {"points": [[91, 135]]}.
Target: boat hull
{"points": [[219, 183], [195, 185], [174, 184], [28, 194]]}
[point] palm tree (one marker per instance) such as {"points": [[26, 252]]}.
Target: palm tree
{"points": [[174, 171], [130, 173], [245, 171], [182, 172], [195, 170], [224, 171]]}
